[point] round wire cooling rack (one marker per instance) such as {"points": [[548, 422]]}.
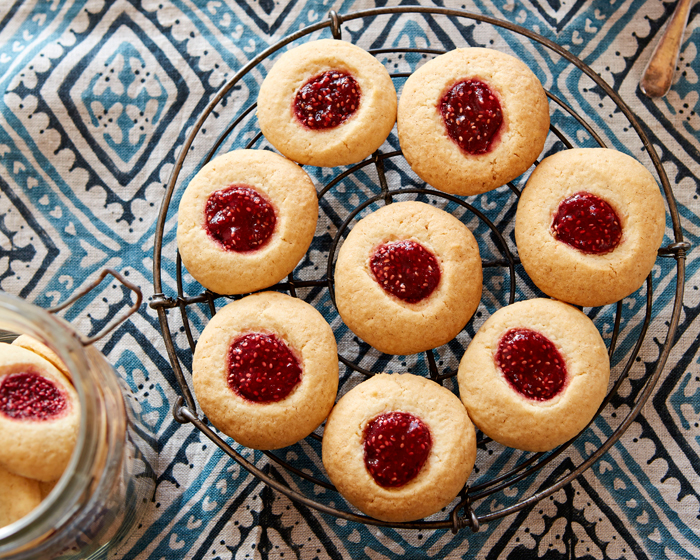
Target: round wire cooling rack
{"points": [[462, 514]]}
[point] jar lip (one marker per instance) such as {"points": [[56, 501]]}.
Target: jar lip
{"points": [[17, 315]]}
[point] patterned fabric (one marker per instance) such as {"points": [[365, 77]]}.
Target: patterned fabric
{"points": [[98, 100]]}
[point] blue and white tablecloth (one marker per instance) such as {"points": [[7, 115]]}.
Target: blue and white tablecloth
{"points": [[98, 98]]}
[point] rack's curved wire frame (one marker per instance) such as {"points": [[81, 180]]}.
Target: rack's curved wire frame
{"points": [[184, 410]]}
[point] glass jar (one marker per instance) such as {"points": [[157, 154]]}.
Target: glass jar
{"points": [[110, 480]]}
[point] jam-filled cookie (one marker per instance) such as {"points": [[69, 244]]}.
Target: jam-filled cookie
{"points": [[245, 221], [39, 415], [18, 496], [399, 447], [471, 120], [408, 278], [535, 374], [588, 225], [327, 103], [31, 343], [265, 370]]}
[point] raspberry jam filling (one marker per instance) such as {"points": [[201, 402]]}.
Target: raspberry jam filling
{"points": [[472, 115], [396, 446], [29, 396], [405, 269], [327, 100], [531, 364], [262, 368], [587, 223], [239, 218]]}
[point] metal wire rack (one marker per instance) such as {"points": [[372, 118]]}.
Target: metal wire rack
{"points": [[462, 514]]}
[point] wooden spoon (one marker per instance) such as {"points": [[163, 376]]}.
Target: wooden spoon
{"points": [[658, 74]]}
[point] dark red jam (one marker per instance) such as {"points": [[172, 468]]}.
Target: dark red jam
{"points": [[262, 368], [406, 270], [531, 363], [473, 116], [327, 100], [239, 218], [396, 446], [29, 396], [587, 223]]}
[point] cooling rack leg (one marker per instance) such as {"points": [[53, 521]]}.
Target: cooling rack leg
{"points": [[335, 24], [469, 518], [181, 413]]}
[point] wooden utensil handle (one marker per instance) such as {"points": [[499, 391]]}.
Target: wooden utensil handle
{"points": [[658, 74]]}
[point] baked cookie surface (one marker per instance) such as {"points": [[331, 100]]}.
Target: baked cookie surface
{"points": [[237, 359], [39, 415], [449, 114], [419, 239], [534, 375], [18, 496], [270, 205], [447, 453], [346, 75], [618, 189], [38, 347]]}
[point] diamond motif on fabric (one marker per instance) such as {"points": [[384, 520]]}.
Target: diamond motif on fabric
{"points": [[268, 15], [125, 101], [557, 12], [26, 249], [127, 95]]}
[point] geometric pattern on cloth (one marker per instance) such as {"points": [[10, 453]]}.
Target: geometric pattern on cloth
{"points": [[98, 99]]}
